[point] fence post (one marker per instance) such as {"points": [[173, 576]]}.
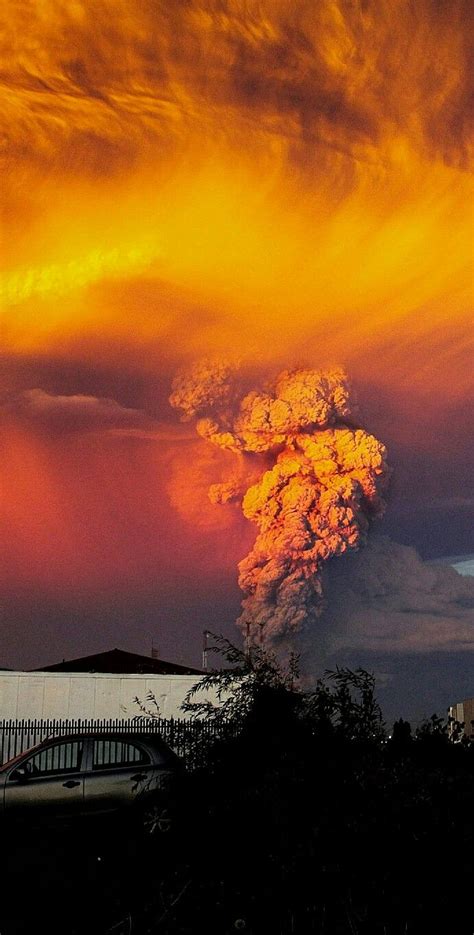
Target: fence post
{"points": [[18, 736]]}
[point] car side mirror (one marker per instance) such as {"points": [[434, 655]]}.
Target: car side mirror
{"points": [[20, 774]]}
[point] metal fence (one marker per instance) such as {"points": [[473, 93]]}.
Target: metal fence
{"points": [[183, 736]]}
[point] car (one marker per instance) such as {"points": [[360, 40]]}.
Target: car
{"points": [[91, 774]]}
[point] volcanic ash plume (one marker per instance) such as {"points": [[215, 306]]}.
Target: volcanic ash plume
{"points": [[317, 499]]}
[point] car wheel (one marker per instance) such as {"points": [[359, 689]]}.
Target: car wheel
{"points": [[156, 819]]}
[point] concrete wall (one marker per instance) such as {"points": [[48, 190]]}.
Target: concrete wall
{"points": [[90, 695]]}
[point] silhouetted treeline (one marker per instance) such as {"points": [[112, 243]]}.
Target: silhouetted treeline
{"points": [[306, 817]]}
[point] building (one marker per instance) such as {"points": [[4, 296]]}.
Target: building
{"points": [[463, 711], [116, 661], [104, 685]]}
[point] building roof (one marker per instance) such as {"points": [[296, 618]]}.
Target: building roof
{"points": [[118, 661]]}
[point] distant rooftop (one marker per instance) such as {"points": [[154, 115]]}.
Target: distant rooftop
{"points": [[118, 661]]}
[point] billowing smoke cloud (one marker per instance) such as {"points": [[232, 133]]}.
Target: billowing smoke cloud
{"points": [[386, 599], [315, 500]]}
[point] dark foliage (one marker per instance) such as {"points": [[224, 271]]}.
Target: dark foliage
{"points": [[302, 817], [305, 818]]}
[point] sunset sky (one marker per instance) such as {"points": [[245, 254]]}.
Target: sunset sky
{"points": [[283, 183]]}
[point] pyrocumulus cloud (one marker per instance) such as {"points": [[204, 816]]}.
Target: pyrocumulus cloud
{"points": [[320, 481]]}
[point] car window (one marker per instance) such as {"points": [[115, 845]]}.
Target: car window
{"points": [[60, 758], [109, 753]]}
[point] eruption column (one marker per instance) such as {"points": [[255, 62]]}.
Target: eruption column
{"points": [[317, 499]]}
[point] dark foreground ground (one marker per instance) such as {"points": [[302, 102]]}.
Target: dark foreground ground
{"points": [[89, 880], [346, 839], [305, 819]]}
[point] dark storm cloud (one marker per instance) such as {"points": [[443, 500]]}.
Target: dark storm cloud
{"points": [[386, 599]]}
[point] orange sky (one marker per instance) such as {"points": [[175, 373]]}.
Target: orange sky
{"points": [[288, 183]]}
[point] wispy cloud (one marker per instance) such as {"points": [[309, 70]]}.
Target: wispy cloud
{"points": [[74, 413]]}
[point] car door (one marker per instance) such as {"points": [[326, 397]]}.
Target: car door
{"points": [[47, 783], [120, 773]]}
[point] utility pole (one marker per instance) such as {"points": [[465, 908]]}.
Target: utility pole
{"points": [[205, 660]]}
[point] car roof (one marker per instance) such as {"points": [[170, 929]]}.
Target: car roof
{"points": [[141, 736], [106, 735]]}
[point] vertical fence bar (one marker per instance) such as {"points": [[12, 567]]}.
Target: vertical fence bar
{"points": [[182, 735]]}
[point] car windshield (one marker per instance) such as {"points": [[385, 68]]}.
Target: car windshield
{"points": [[19, 756]]}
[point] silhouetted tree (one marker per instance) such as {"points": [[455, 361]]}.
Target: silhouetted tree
{"points": [[255, 686], [401, 734]]}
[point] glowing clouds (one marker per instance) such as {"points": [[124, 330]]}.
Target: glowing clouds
{"points": [[57, 279], [260, 420], [281, 181], [202, 388], [300, 400], [314, 503], [201, 172]]}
